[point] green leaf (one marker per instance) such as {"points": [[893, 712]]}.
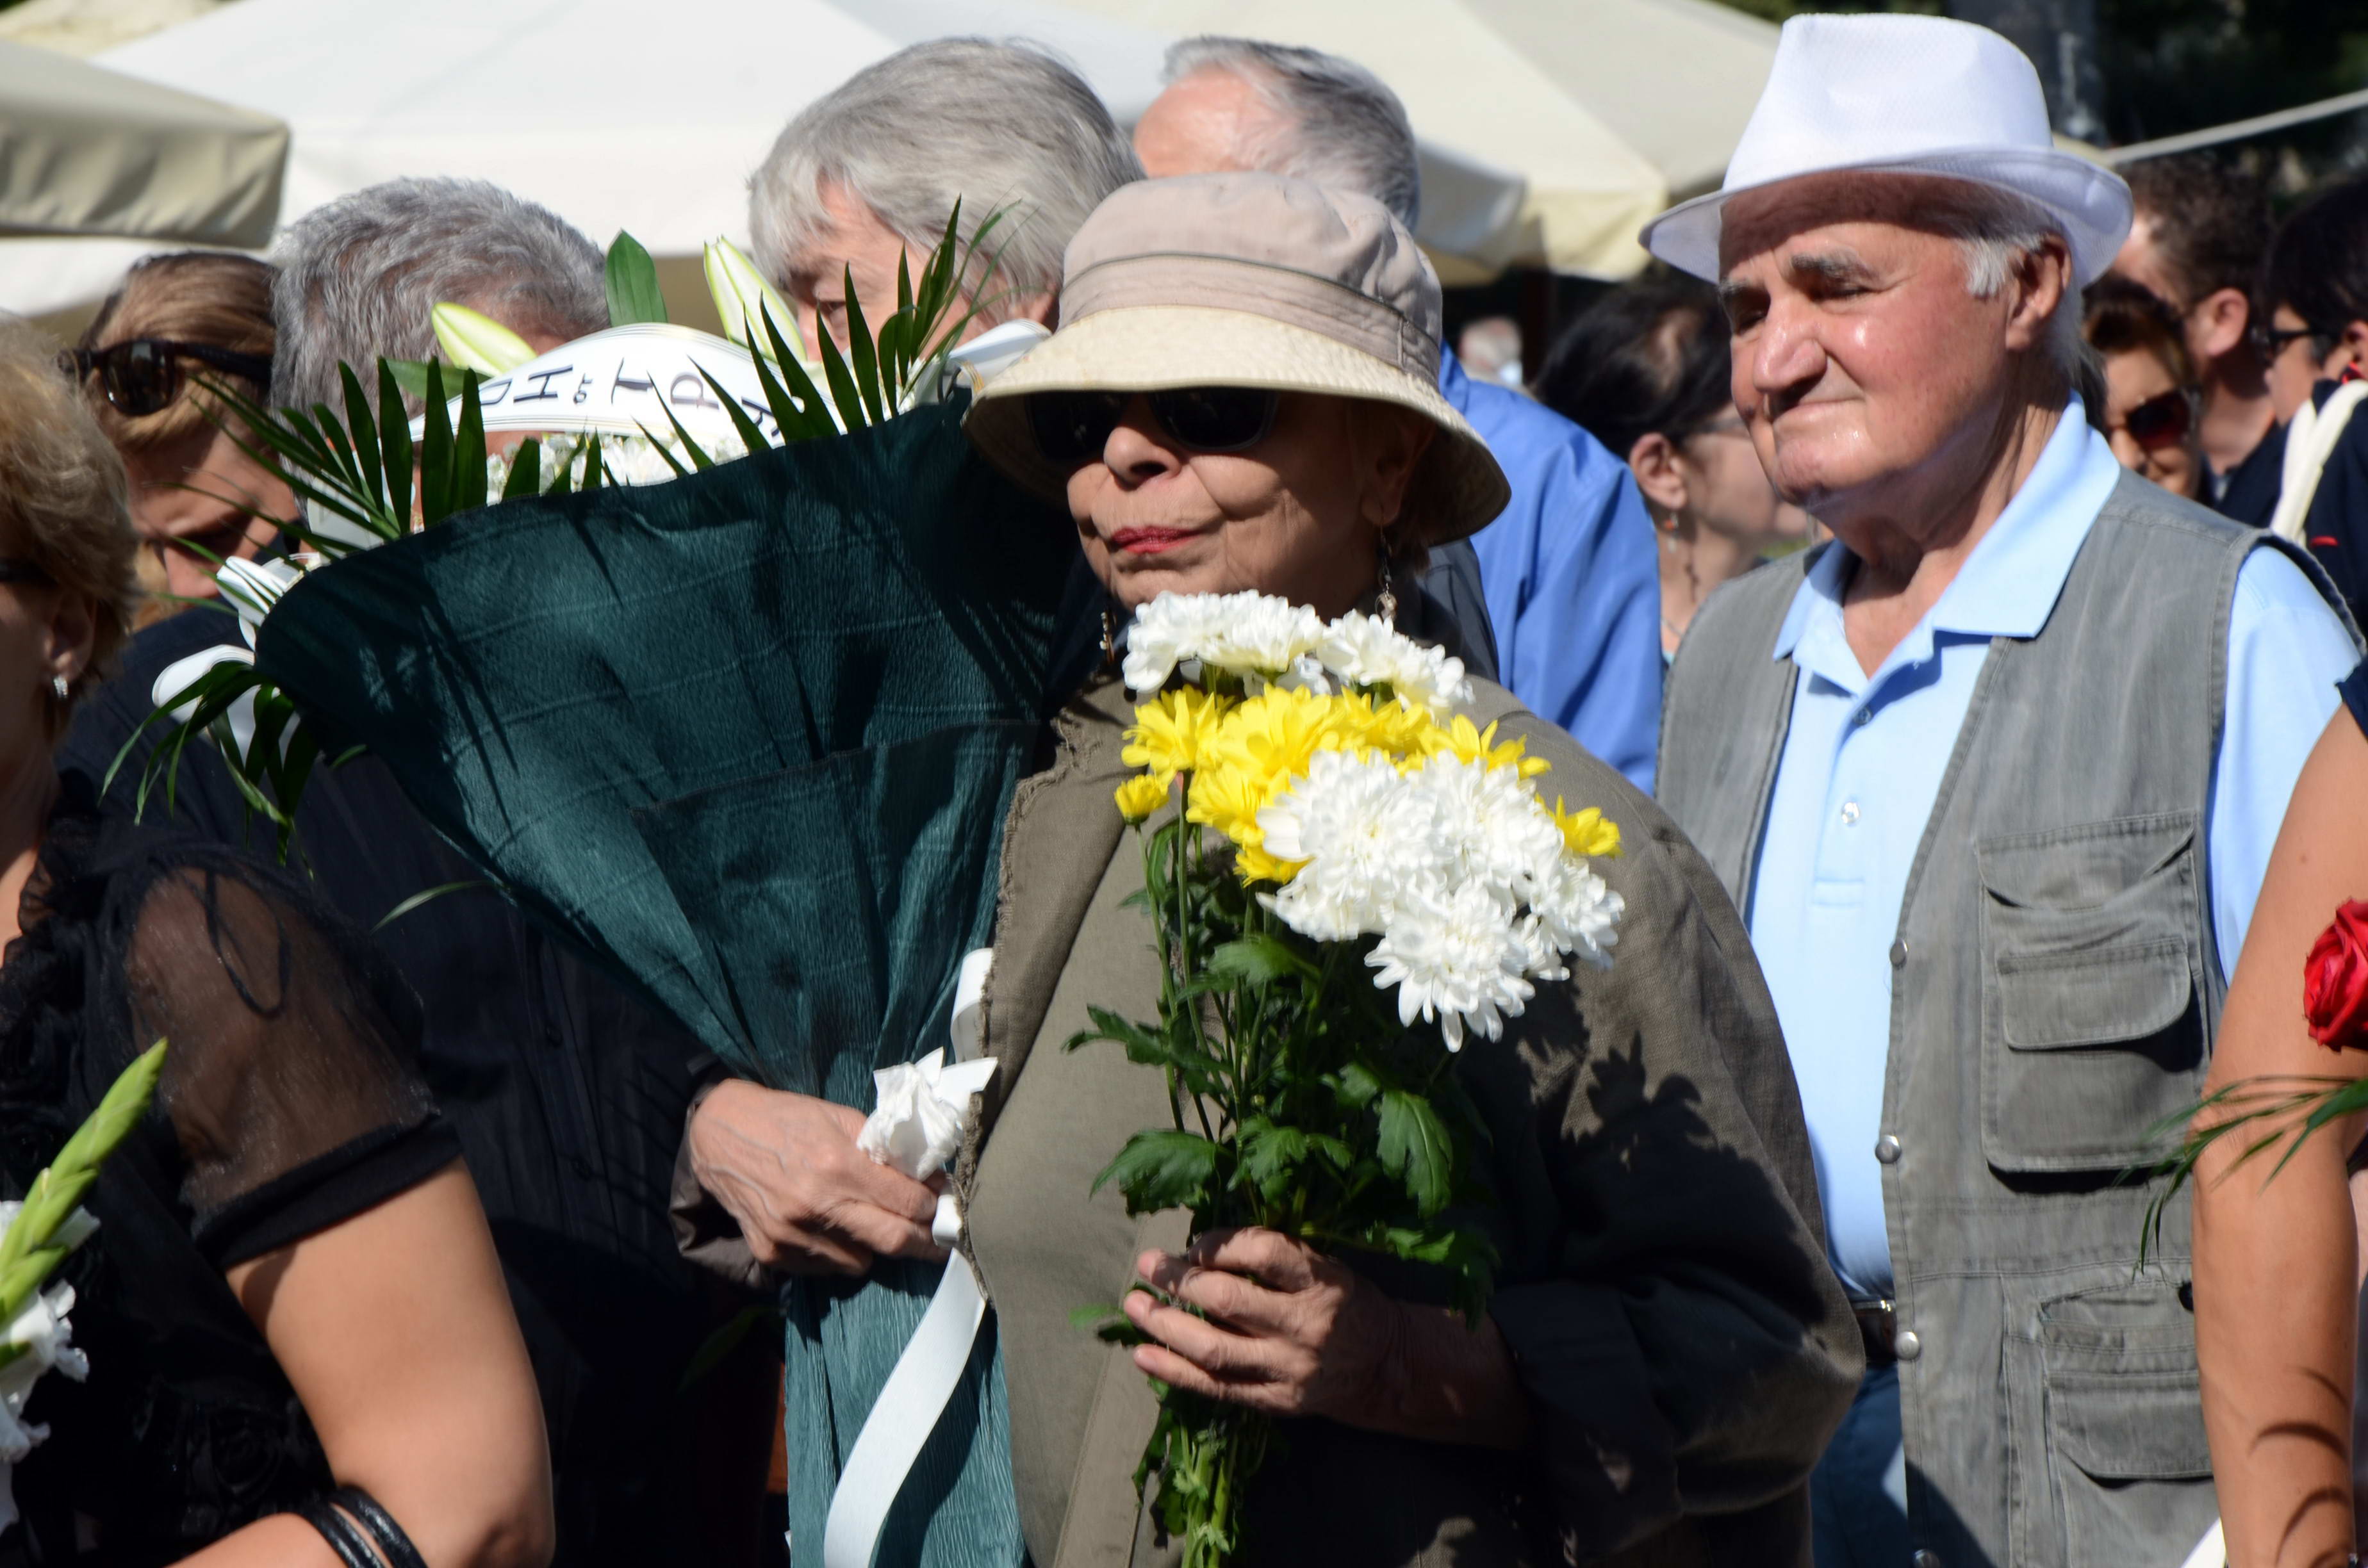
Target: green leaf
{"points": [[394, 442], [814, 417], [1414, 1149], [1260, 960], [410, 376], [865, 352], [750, 433], [842, 384], [1161, 1169], [525, 470], [434, 451], [427, 896], [469, 449], [1272, 1155], [1355, 1086], [632, 277], [29, 1247], [362, 425]]}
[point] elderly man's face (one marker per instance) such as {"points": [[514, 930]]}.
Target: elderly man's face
{"points": [[1205, 123], [1870, 377]]}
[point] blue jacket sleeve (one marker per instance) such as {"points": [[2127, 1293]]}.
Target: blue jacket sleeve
{"points": [[1575, 596]]}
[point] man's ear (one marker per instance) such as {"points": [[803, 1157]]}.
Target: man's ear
{"points": [[2216, 325], [1654, 460], [2042, 277]]}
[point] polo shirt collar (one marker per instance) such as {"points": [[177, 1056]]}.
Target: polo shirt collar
{"points": [[2009, 586]]}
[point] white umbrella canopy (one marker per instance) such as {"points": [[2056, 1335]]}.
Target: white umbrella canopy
{"points": [[85, 151], [611, 116]]}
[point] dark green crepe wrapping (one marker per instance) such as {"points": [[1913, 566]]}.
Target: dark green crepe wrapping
{"points": [[748, 737]]}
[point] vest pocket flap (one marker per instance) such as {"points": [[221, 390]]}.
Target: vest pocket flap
{"points": [[2048, 1001], [2129, 1425]]}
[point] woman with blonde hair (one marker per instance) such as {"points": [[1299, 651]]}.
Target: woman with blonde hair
{"points": [[301, 1349], [197, 498]]}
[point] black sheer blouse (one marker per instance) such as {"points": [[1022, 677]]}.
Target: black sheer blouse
{"points": [[289, 1102]]}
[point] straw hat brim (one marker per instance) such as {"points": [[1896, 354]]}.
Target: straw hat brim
{"points": [[1458, 491], [2091, 202]]}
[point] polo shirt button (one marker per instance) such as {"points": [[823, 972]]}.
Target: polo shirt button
{"points": [[1907, 1346], [1925, 1559], [1850, 813], [1900, 953], [1863, 716], [1886, 1149]]}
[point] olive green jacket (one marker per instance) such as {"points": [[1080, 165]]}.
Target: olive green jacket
{"points": [[1684, 1347]]}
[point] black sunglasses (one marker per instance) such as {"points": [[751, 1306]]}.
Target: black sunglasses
{"points": [[2269, 342], [1073, 426], [143, 375], [2161, 420]]}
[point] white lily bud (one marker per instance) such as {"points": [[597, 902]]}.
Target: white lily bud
{"points": [[477, 342], [740, 291]]}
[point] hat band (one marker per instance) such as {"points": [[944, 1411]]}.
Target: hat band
{"points": [[1250, 288]]}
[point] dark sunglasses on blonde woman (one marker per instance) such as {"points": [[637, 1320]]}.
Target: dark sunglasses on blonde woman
{"points": [[143, 375], [2161, 421], [1073, 426]]}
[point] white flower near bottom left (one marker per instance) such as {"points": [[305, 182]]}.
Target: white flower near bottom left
{"points": [[45, 1338]]}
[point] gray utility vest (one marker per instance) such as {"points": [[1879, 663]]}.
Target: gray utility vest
{"points": [[2055, 991]]}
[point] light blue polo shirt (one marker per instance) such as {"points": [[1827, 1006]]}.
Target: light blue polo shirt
{"points": [[1863, 764]]}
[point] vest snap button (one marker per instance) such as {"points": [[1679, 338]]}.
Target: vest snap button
{"points": [[1899, 954], [1907, 1346], [1886, 1149]]}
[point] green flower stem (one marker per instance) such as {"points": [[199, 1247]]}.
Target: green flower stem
{"points": [[30, 1248]]}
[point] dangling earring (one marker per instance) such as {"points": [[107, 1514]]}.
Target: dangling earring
{"points": [[1110, 636], [58, 685], [1385, 602]]}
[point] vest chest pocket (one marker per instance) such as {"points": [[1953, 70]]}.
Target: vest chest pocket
{"points": [[2092, 1026]]}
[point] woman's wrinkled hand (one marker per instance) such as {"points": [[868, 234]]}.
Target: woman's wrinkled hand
{"points": [[785, 1166], [1288, 1330]]}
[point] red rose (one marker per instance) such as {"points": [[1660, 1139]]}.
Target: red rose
{"points": [[2334, 981]]}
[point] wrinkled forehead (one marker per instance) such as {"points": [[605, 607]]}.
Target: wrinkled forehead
{"points": [[1855, 210]]}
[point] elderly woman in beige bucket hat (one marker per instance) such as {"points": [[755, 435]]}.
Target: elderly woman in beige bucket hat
{"points": [[1241, 396]]}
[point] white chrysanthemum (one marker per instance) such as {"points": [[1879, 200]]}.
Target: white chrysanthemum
{"points": [[1372, 841], [1171, 629], [1579, 914], [1366, 651], [1242, 634], [1494, 829], [624, 460], [1458, 960]]}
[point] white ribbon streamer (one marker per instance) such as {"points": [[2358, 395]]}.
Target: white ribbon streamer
{"points": [[916, 1127]]}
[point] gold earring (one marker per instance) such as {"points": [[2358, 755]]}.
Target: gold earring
{"points": [[1385, 602]]}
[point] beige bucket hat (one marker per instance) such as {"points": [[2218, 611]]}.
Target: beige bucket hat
{"points": [[1249, 280]]}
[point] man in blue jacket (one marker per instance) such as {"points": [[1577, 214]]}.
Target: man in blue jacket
{"points": [[1566, 571]]}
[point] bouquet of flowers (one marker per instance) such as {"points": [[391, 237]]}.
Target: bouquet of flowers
{"points": [[36, 1236], [1357, 882]]}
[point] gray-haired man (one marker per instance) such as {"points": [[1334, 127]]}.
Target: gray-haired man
{"points": [[359, 276], [871, 171], [1993, 777], [1564, 576]]}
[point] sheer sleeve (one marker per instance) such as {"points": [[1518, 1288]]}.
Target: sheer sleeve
{"points": [[290, 1077]]}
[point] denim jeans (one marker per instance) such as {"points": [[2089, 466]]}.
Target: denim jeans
{"points": [[1858, 1494]]}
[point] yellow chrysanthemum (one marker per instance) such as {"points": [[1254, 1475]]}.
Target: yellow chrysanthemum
{"points": [[1465, 744], [1170, 730], [1253, 864], [1272, 737], [1588, 833], [1141, 795], [1385, 726]]}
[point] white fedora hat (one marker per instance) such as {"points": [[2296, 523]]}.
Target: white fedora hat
{"points": [[1906, 95]]}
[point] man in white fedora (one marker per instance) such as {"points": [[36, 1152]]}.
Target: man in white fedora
{"points": [[1992, 778]]}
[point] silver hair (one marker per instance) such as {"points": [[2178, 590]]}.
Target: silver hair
{"points": [[1342, 126], [359, 276], [1995, 229], [1002, 127]]}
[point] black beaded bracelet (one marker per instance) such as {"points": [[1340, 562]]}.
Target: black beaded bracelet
{"points": [[329, 1516]]}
